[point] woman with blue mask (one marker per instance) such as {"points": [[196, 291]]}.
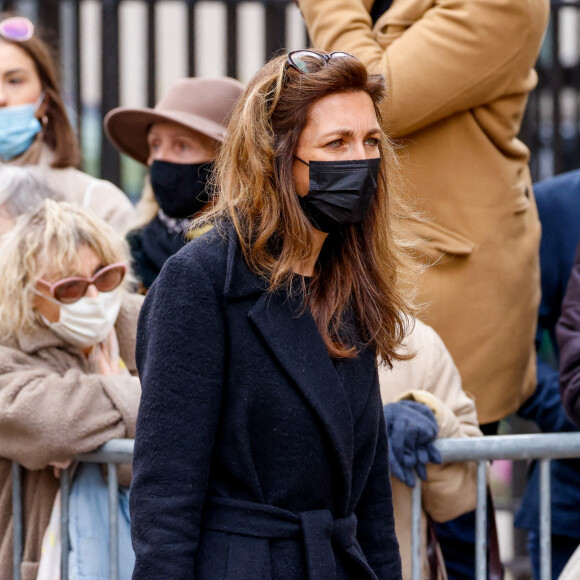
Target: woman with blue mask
{"points": [[35, 129], [178, 140], [68, 384]]}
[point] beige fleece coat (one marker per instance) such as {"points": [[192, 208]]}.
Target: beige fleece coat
{"points": [[102, 197], [52, 407], [458, 75], [431, 377]]}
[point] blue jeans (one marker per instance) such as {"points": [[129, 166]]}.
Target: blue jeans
{"points": [[89, 527]]}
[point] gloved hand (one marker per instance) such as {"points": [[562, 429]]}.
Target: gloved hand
{"points": [[411, 428]]}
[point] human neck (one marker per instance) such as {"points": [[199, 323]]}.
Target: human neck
{"points": [[306, 267]]}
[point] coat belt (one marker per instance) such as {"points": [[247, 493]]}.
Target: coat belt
{"points": [[320, 532]]}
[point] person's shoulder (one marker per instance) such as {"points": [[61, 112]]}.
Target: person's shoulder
{"points": [[558, 201], [211, 246], [77, 183], [558, 191], [205, 255], [102, 188], [422, 337]]}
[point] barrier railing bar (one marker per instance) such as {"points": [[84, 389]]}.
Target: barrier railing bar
{"points": [[545, 522], [113, 522], [17, 519], [64, 517], [481, 523], [416, 564], [544, 445], [114, 451], [481, 449], [515, 447]]}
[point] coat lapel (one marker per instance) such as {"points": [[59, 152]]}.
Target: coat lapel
{"points": [[294, 341]]}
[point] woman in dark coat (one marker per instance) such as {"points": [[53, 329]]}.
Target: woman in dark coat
{"points": [[261, 450]]}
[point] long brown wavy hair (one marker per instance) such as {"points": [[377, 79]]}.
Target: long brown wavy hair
{"points": [[361, 269], [57, 132]]}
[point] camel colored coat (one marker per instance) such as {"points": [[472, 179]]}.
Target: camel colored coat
{"points": [[432, 378], [458, 74], [52, 407]]}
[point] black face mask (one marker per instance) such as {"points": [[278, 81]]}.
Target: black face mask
{"points": [[180, 189], [340, 193]]}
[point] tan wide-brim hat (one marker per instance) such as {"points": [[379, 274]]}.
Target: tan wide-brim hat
{"points": [[203, 105]]}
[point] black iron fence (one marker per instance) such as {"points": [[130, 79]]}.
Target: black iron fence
{"points": [[92, 38], [552, 123], [95, 42]]}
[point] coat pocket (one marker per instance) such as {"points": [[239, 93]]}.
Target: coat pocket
{"points": [[436, 243]]}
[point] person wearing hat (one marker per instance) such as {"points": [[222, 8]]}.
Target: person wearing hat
{"points": [[178, 141]]}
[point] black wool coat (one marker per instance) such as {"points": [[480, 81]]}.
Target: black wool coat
{"points": [[257, 456]]}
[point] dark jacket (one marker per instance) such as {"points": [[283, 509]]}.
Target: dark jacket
{"points": [[558, 201], [144, 269], [257, 456]]}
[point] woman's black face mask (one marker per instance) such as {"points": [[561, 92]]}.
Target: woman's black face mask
{"points": [[340, 192], [181, 189]]}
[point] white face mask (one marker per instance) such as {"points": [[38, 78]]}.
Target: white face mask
{"points": [[87, 321]]}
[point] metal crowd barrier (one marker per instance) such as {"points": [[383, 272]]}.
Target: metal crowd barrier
{"points": [[543, 447], [112, 453]]}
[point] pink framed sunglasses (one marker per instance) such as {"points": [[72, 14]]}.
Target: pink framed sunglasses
{"points": [[16, 28], [69, 290]]}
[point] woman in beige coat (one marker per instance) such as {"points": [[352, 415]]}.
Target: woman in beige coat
{"points": [[458, 74], [66, 358], [431, 378], [34, 126]]}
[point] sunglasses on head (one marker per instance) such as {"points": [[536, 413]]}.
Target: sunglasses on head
{"points": [[70, 290], [310, 61], [16, 28]]}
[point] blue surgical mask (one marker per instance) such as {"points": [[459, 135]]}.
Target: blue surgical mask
{"points": [[18, 127]]}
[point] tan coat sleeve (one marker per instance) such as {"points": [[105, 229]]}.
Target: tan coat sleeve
{"points": [[106, 200], [433, 379], [47, 416], [438, 58]]}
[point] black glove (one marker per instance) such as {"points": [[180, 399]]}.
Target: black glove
{"points": [[411, 428]]}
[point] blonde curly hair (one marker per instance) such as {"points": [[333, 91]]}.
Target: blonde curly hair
{"points": [[48, 239]]}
